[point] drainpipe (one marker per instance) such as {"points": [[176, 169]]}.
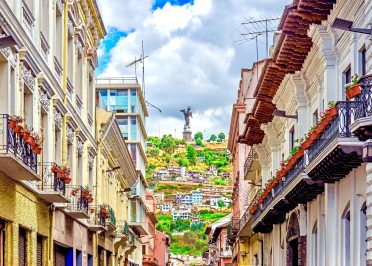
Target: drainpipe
{"points": [[51, 233]]}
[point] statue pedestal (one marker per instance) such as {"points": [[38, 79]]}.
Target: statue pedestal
{"points": [[187, 134]]}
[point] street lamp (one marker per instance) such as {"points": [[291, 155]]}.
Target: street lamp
{"points": [[6, 41], [367, 151], [347, 25]]}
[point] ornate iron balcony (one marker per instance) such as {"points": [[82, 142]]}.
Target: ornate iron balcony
{"points": [[17, 159], [79, 206]]}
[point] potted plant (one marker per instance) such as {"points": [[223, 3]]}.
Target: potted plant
{"points": [[332, 109], [103, 209], [37, 147], [74, 192], [85, 192], [67, 180], [14, 120], [31, 139], [353, 88], [54, 168], [26, 132]]}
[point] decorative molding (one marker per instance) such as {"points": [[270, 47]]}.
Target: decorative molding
{"points": [[70, 27], [70, 134], [27, 78], [59, 5], [79, 47], [90, 120], [8, 54], [80, 146], [79, 103], [44, 100], [57, 118], [44, 46], [70, 89], [71, 123], [91, 160], [42, 83], [58, 68], [28, 18]]}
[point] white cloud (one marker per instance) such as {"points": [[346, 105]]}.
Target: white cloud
{"points": [[193, 60]]}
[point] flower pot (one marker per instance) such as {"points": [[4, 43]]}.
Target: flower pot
{"points": [[59, 174], [91, 210], [30, 140], [18, 129], [90, 200], [332, 112], [85, 193], [12, 123], [73, 193], [26, 135], [67, 180], [103, 210], [54, 168], [353, 91]]}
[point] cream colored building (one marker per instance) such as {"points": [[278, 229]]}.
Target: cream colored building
{"points": [[317, 210], [48, 78]]}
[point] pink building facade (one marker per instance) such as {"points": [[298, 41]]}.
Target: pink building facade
{"points": [[162, 244]]}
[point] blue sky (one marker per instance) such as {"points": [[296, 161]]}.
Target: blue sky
{"points": [[114, 34], [193, 57]]}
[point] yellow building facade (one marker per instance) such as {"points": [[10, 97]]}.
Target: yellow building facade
{"points": [[63, 186]]}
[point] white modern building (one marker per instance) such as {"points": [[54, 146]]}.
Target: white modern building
{"points": [[182, 214]]}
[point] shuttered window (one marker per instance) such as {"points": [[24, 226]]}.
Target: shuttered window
{"points": [[39, 251], [22, 247], [59, 256], [2, 242]]}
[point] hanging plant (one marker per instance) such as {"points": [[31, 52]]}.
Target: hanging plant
{"points": [[14, 120], [353, 88]]}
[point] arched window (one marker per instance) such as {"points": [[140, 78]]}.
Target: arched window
{"points": [[345, 237]]}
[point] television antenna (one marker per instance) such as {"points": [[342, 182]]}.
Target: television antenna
{"points": [[254, 28]]}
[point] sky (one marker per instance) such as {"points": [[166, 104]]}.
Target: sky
{"points": [[194, 55]]}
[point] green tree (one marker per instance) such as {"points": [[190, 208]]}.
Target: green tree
{"points": [[168, 144], [199, 142], [155, 141], [191, 154], [198, 135], [220, 203], [221, 136], [213, 138]]}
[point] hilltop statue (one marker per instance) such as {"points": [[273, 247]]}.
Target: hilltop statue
{"points": [[187, 114], [187, 134]]}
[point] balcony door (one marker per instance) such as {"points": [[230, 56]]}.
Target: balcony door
{"points": [[296, 244]]}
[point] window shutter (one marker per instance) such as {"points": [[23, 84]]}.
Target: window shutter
{"points": [[39, 251], [22, 247], [59, 256]]}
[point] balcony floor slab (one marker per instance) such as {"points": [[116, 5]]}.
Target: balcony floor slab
{"points": [[16, 169]]}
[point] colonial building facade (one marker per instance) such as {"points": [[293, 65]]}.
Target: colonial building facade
{"points": [[63, 185], [307, 143]]}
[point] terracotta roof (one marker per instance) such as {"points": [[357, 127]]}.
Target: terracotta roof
{"points": [[290, 53]]}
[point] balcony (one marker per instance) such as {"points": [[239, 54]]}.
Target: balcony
{"points": [[122, 228], [138, 225], [98, 216], [362, 126], [246, 219], [111, 221], [51, 188], [78, 208], [233, 229], [329, 158], [252, 166], [17, 159]]}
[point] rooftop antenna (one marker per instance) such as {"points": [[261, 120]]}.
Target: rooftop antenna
{"points": [[254, 28]]}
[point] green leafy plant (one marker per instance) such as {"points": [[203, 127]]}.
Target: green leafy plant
{"points": [[354, 81]]}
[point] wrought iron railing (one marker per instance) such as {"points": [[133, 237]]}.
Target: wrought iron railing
{"points": [[98, 215], [78, 201], [365, 98], [112, 217], [248, 162], [233, 229], [13, 143], [247, 215], [49, 180], [122, 228], [338, 128]]}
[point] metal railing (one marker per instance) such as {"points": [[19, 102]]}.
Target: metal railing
{"points": [[13, 143], [248, 162], [112, 217], [122, 228], [98, 215], [247, 215], [233, 229], [49, 180], [365, 98], [121, 80], [78, 202], [338, 128]]}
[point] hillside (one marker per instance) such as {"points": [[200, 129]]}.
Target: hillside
{"points": [[178, 168]]}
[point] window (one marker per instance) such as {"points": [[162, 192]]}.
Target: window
{"points": [[70, 58], [22, 247], [57, 146], [314, 245], [119, 100], [133, 128], [102, 95], [133, 100], [133, 152], [39, 251], [346, 239], [362, 62], [2, 242], [123, 125], [58, 36], [315, 117], [44, 18], [79, 77], [291, 138], [363, 234], [79, 258], [80, 170], [346, 78], [27, 106]]}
